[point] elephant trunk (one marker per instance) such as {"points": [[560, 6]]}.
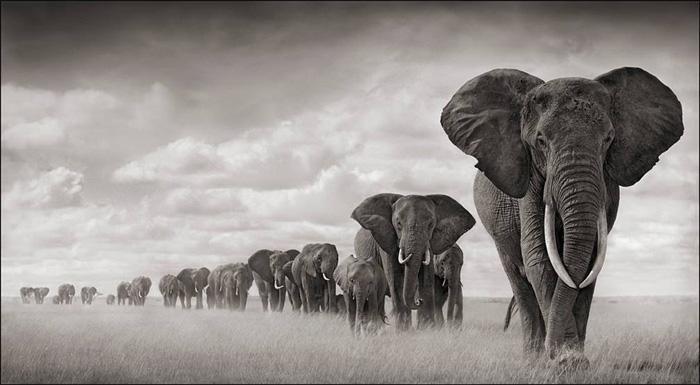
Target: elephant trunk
{"points": [[360, 314], [410, 282], [578, 192]]}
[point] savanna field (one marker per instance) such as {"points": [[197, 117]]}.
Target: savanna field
{"points": [[629, 341]]}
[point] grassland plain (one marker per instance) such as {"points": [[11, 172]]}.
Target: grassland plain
{"points": [[629, 341]]}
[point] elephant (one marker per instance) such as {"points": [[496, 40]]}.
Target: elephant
{"points": [[235, 282], [448, 285], [551, 158], [402, 233], [364, 285], [40, 293], [87, 294], [26, 293], [313, 269], [292, 287], [211, 298], [110, 299], [124, 293], [194, 282], [512, 310], [139, 290], [56, 300], [169, 287], [66, 292], [267, 267]]}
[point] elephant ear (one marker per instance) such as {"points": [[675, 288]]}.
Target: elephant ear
{"points": [[374, 214], [292, 253], [647, 118], [483, 120], [310, 252], [259, 262], [453, 220]]}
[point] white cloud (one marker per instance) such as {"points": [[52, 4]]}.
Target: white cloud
{"points": [[56, 188], [41, 133]]}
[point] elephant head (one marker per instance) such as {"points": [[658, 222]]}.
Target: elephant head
{"points": [[448, 265], [411, 228], [567, 144]]}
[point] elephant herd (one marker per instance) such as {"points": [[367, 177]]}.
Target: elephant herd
{"points": [[551, 159]]}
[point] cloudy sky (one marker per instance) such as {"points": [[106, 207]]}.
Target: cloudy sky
{"points": [[141, 139]]}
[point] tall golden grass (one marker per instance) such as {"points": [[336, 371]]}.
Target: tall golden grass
{"points": [[628, 342]]}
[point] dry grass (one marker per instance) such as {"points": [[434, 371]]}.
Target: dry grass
{"points": [[628, 343]]}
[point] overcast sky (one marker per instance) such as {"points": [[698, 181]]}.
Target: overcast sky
{"points": [[142, 139]]}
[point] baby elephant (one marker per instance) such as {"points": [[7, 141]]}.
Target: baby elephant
{"points": [[364, 285], [110, 299], [448, 285]]}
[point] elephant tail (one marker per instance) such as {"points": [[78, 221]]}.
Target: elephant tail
{"points": [[512, 309]]}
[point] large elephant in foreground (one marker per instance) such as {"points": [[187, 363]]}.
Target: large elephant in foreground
{"points": [[448, 285], [313, 270], [235, 281], [364, 285], [402, 233], [267, 267], [552, 156], [124, 293], [66, 292], [87, 294], [40, 293], [169, 287], [140, 287], [193, 284], [26, 293]]}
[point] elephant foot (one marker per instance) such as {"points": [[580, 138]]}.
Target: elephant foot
{"points": [[571, 360]]}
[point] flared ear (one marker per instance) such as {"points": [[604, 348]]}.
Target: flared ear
{"points": [[453, 220], [483, 120], [374, 214], [647, 118], [259, 262]]}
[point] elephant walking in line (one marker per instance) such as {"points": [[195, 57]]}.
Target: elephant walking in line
{"points": [[552, 157], [110, 299], [87, 294], [169, 287], [448, 286], [235, 282], [26, 293], [193, 284], [292, 287], [313, 269], [402, 233], [66, 292], [268, 273], [40, 293], [124, 293], [56, 300], [364, 287], [140, 287]]}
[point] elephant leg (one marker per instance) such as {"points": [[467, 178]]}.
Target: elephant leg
{"points": [[455, 307], [394, 279], [350, 306], [582, 308], [280, 296], [274, 298], [440, 298], [426, 290], [200, 305], [526, 296]]}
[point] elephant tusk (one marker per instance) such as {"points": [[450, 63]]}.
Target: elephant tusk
{"points": [[426, 258], [353, 255], [401, 260], [324, 277], [602, 248], [550, 240], [444, 281], [278, 287]]}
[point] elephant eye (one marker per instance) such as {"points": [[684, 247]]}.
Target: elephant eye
{"points": [[541, 142]]}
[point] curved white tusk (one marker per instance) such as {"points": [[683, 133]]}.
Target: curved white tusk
{"points": [[353, 255], [401, 259], [278, 287], [324, 277], [444, 281], [550, 240], [602, 248], [426, 258]]}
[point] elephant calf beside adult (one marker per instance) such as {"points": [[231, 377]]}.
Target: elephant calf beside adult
{"points": [[193, 283], [269, 275], [552, 157], [448, 286], [110, 299], [313, 270], [402, 233], [364, 287]]}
